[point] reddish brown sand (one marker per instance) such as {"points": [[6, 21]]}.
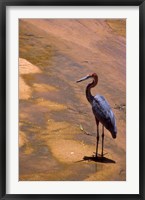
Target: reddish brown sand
{"points": [[57, 134]]}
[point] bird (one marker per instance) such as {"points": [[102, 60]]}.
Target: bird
{"points": [[101, 110]]}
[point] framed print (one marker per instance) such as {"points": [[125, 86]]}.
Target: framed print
{"points": [[72, 100]]}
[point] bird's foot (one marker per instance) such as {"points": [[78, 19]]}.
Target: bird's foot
{"points": [[96, 155], [99, 156]]}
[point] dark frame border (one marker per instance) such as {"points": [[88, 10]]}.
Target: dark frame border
{"points": [[3, 5]]}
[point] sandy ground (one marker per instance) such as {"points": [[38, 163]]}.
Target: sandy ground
{"points": [[57, 131]]}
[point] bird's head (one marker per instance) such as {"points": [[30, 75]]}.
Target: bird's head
{"points": [[94, 76]]}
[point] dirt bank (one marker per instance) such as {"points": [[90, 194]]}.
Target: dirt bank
{"points": [[53, 109]]}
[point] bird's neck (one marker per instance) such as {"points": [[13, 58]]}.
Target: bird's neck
{"points": [[88, 89]]}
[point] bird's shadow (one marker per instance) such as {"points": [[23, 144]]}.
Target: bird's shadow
{"points": [[98, 159]]}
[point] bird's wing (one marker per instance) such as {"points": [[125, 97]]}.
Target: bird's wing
{"points": [[103, 112]]}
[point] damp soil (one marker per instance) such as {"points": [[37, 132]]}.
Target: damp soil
{"points": [[57, 130]]}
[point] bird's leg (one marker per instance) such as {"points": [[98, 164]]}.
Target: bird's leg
{"points": [[97, 138], [102, 140]]}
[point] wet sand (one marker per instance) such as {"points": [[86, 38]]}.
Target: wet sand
{"points": [[57, 130]]}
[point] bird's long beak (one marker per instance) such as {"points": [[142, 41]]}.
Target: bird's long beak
{"points": [[84, 78]]}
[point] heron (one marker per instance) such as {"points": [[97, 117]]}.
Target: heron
{"points": [[101, 110]]}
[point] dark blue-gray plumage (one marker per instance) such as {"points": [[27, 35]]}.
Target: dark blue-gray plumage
{"points": [[101, 109]]}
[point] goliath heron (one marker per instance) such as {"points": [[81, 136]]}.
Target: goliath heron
{"points": [[102, 111]]}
